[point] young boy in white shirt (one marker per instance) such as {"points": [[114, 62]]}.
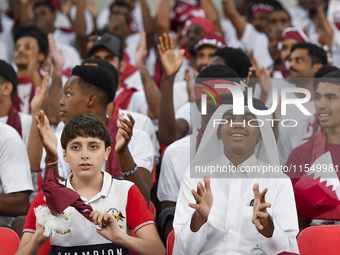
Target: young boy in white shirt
{"points": [[229, 215], [86, 141]]}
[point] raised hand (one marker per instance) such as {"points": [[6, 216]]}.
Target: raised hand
{"points": [[324, 28], [56, 55], [261, 218], [141, 51], [41, 94], [203, 197], [47, 136], [251, 76], [91, 6], [124, 133], [111, 231], [265, 82], [170, 62], [65, 6]]}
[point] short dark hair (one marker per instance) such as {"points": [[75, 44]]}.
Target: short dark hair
{"points": [[236, 59], [121, 4], [106, 65], [324, 70], [332, 77], [280, 9], [46, 4], [96, 79], [317, 54], [36, 33], [218, 71], [85, 125]]}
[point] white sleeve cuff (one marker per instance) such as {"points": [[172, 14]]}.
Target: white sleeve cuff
{"points": [[275, 244], [192, 242]]}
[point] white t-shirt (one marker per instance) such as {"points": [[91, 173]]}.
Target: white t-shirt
{"points": [[3, 52], [137, 102], [15, 173], [229, 228], [294, 113], [175, 161], [71, 56], [333, 16], [68, 38], [180, 94], [257, 44], [145, 124], [230, 34], [277, 82], [290, 138], [120, 198], [190, 113], [140, 147], [180, 75], [301, 20], [134, 81], [24, 93], [132, 41], [6, 36], [62, 20], [26, 122]]}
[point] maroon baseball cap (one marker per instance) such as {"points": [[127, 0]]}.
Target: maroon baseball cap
{"points": [[211, 38], [294, 34]]}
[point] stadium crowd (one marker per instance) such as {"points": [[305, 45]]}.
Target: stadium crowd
{"points": [[122, 104]]}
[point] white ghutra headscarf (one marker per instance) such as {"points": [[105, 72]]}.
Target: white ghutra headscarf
{"points": [[211, 149]]}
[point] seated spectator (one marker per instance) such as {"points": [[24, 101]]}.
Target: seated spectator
{"points": [[86, 141], [177, 155], [207, 45], [93, 36], [305, 60], [136, 16], [31, 50], [219, 216], [44, 11], [42, 20], [15, 175], [142, 122], [119, 25], [309, 127], [21, 122], [89, 90], [289, 37], [319, 202], [131, 94]]}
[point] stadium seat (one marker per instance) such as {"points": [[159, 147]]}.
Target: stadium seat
{"points": [[9, 241], [170, 242], [45, 248], [320, 240]]}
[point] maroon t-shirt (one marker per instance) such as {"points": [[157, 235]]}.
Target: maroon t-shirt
{"points": [[303, 155], [314, 199]]}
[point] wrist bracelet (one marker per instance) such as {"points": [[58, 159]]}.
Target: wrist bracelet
{"points": [[51, 163], [126, 174]]}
